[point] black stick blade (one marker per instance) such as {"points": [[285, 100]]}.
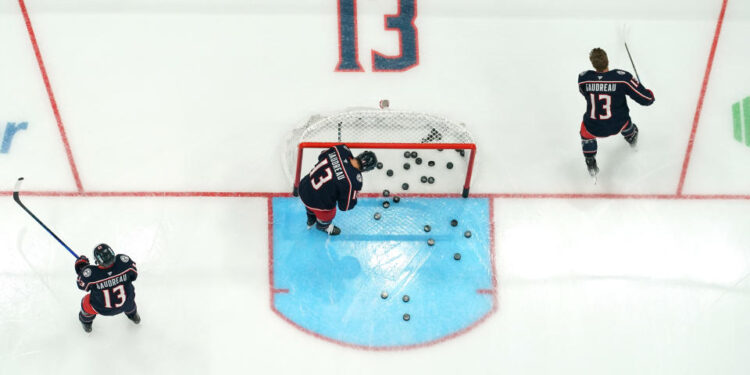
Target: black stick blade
{"points": [[16, 188]]}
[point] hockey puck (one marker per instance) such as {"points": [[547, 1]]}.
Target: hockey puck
{"points": [[386, 193], [379, 165], [376, 216], [423, 179], [389, 172], [462, 153], [396, 199], [454, 222], [457, 256], [386, 204], [407, 317], [405, 298], [440, 149], [431, 242], [431, 180], [407, 154], [418, 161], [414, 154], [407, 166], [405, 186], [384, 294], [449, 165], [467, 234], [431, 163], [427, 228]]}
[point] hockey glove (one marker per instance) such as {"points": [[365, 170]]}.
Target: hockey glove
{"points": [[81, 263]]}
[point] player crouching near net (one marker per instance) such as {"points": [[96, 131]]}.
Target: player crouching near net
{"points": [[110, 286], [607, 111], [336, 178]]}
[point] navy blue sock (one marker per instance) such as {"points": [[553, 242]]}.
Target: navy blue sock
{"points": [[589, 146], [85, 318]]}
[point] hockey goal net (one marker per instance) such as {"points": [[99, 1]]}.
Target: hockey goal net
{"points": [[418, 153]]}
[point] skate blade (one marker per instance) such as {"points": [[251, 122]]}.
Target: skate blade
{"points": [[594, 177]]}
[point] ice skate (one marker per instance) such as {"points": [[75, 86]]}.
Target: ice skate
{"points": [[633, 140], [86, 327], [592, 167], [135, 318], [331, 229]]}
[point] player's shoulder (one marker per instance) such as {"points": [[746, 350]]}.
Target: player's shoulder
{"points": [[357, 179], [123, 259], [585, 75], [89, 272], [344, 151], [621, 74]]}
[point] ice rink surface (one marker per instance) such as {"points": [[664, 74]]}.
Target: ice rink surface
{"points": [[159, 129]]}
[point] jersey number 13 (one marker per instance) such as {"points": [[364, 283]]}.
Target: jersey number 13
{"points": [[119, 292], [606, 112], [317, 183]]}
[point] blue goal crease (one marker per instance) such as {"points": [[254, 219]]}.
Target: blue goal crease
{"points": [[350, 288]]}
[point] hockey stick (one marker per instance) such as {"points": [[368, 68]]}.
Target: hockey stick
{"points": [[631, 62], [18, 200]]}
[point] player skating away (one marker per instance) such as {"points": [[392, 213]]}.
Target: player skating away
{"points": [[607, 111], [335, 179], [109, 285]]}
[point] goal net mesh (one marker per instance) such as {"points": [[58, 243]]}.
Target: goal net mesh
{"points": [[444, 148]]}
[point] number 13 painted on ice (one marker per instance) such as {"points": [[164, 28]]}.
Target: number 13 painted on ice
{"points": [[402, 22]]}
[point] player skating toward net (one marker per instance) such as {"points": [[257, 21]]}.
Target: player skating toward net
{"points": [[607, 111], [110, 286], [335, 180]]}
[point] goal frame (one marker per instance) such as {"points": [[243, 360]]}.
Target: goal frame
{"points": [[381, 145]]}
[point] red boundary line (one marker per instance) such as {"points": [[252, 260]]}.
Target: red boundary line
{"points": [[51, 95], [240, 194], [699, 107]]}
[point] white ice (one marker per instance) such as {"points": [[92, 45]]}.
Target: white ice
{"points": [[196, 96]]}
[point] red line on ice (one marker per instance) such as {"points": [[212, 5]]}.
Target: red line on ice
{"points": [[51, 95], [248, 194], [699, 107]]}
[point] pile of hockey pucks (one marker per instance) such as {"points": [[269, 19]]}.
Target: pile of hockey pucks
{"points": [[430, 242], [413, 156]]}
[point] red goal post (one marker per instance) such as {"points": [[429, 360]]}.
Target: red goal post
{"points": [[386, 129]]}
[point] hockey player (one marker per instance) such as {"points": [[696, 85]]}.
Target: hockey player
{"points": [[607, 110], [336, 178], [110, 286]]}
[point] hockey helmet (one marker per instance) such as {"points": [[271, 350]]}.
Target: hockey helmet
{"points": [[367, 161], [104, 255]]}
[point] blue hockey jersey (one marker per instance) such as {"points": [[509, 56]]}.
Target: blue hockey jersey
{"points": [[333, 180], [607, 109], [111, 288]]}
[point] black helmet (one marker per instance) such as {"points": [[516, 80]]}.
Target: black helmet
{"points": [[104, 255], [367, 161]]}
